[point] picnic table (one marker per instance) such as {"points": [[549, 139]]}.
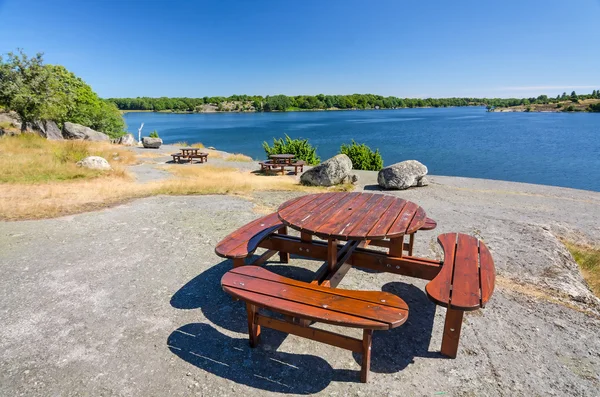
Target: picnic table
{"points": [[338, 228], [280, 162], [190, 153]]}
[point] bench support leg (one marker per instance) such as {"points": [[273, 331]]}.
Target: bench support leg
{"points": [[284, 257], [411, 243], [366, 355], [396, 247], [451, 336], [237, 262], [253, 327]]}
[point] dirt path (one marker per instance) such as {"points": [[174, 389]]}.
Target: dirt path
{"points": [[126, 302]]}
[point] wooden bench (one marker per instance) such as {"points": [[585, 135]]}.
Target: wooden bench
{"points": [[177, 157], [203, 157], [302, 302], [464, 283], [267, 166], [298, 164], [244, 241]]}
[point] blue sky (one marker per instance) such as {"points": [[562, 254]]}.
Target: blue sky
{"points": [[401, 48]]}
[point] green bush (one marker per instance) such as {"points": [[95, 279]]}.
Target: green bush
{"points": [[594, 108], [362, 157], [154, 134], [298, 147]]}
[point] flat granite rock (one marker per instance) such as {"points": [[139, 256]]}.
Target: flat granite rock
{"points": [[403, 175]]}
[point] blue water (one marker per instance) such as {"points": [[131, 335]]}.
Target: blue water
{"points": [[558, 149]]}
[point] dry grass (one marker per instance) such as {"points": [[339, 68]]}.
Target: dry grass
{"points": [[588, 259], [28, 158], [239, 157], [39, 179]]}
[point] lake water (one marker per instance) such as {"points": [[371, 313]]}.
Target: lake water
{"points": [[558, 149]]}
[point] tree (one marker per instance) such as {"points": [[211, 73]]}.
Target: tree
{"points": [[574, 96], [24, 86]]}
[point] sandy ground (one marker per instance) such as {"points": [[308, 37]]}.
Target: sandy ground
{"points": [[126, 302]]}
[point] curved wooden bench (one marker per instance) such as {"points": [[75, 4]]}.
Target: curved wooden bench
{"points": [[430, 224], [244, 241], [270, 166], [298, 164], [369, 310], [465, 283]]}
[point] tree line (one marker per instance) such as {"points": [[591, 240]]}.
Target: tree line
{"points": [[323, 102], [35, 92]]}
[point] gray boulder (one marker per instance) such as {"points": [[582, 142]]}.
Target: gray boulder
{"points": [[94, 163], [151, 143], [77, 131], [331, 172], [403, 175], [50, 130], [127, 140]]}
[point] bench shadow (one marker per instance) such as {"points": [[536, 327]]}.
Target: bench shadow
{"points": [[394, 350], [373, 187]]}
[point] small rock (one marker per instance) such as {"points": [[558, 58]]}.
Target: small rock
{"points": [[151, 143], [402, 175], [94, 163], [331, 172], [127, 140]]}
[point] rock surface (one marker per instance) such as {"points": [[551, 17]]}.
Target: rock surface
{"points": [[403, 175], [50, 131], [331, 172], [94, 163], [127, 140], [151, 143], [77, 131]]}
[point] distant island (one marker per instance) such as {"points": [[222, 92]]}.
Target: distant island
{"points": [[283, 103]]}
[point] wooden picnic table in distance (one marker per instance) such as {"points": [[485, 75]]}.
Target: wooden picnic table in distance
{"points": [[186, 151], [354, 217], [282, 158]]}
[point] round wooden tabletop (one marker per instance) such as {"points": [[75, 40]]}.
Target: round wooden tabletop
{"points": [[352, 216]]}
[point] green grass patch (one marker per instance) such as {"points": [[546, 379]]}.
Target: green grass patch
{"points": [[588, 259]]}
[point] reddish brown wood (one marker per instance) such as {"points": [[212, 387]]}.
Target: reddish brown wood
{"points": [[452, 328], [237, 262], [261, 259], [244, 241], [306, 237], [465, 280], [429, 224], [487, 273], [439, 288], [330, 338], [366, 355], [253, 327], [284, 257], [331, 253], [353, 216]]}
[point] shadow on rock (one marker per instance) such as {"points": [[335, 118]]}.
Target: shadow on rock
{"points": [[232, 358], [394, 350]]}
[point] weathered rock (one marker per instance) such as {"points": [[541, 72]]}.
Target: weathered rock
{"points": [[331, 172], [10, 119], [50, 130], [402, 175], [127, 140], [151, 143], [95, 163], [77, 131]]}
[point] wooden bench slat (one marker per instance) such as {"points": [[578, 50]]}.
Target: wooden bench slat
{"points": [[465, 283], [316, 299], [439, 288], [391, 300], [300, 219], [417, 222], [295, 309], [487, 273], [346, 215], [429, 224], [338, 213], [300, 204], [245, 240]]}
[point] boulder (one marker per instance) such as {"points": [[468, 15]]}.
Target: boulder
{"points": [[331, 172], [77, 131], [127, 140], [94, 163], [50, 130], [151, 143], [403, 175]]}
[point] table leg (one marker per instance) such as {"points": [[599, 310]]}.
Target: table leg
{"points": [[396, 246], [452, 327], [332, 251], [284, 257], [253, 328]]}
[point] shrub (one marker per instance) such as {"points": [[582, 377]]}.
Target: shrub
{"points": [[154, 134], [298, 147], [559, 105], [594, 108], [570, 108], [362, 157]]}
